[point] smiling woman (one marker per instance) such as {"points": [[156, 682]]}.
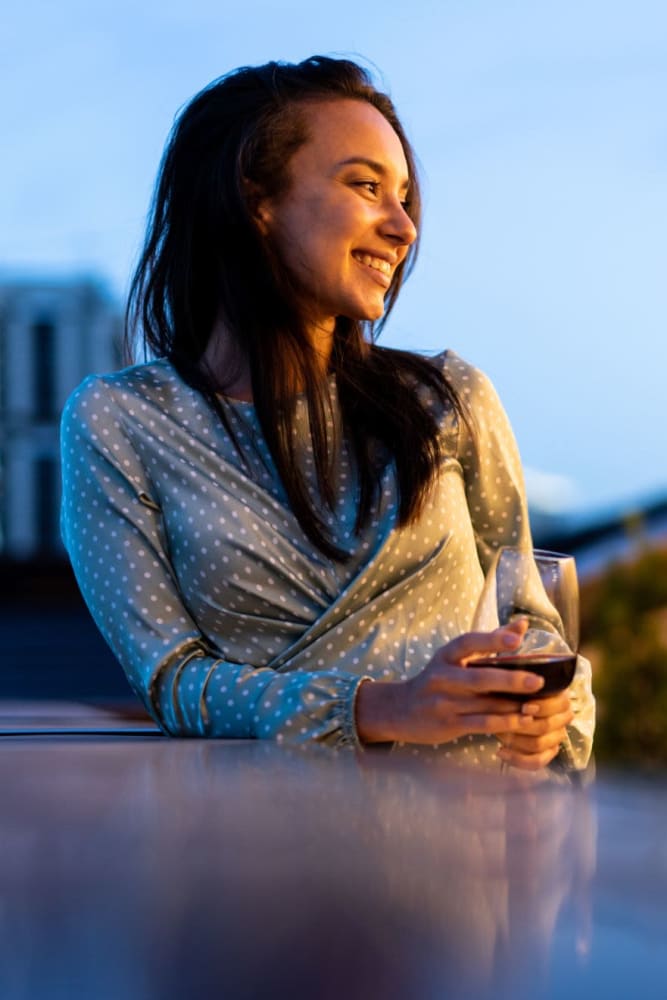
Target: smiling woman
{"points": [[342, 227], [276, 512]]}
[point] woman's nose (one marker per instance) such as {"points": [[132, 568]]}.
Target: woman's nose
{"points": [[399, 226]]}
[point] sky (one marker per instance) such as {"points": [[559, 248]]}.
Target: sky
{"points": [[541, 132]]}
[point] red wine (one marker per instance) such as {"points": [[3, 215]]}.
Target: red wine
{"points": [[557, 670]]}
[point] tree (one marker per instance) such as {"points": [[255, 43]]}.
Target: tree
{"points": [[623, 622]]}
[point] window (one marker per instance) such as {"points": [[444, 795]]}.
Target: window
{"points": [[43, 370]]}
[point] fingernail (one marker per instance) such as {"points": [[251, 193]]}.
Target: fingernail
{"points": [[530, 708], [533, 682], [510, 639]]}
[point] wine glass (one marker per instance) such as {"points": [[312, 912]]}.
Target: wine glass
{"points": [[542, 586]]}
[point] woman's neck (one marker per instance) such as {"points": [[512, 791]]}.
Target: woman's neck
{"points": [[226, 363], [232, 370]]}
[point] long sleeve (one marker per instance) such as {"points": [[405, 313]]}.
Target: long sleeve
{"points": [[227, 621], [113, 528], [495, 492]]}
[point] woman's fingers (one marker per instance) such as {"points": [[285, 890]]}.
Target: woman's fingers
{"points": [[527, 743], [445, 673], [484, 680], [472, 644], [528, 762], [535, 745], [550, 705], [491, 704], [489, 724], [544, 727]]}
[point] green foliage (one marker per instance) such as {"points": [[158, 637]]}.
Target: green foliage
{"points": [[621, 622]]}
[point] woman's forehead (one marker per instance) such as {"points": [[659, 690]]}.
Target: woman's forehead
{"points": [[342, 131]]}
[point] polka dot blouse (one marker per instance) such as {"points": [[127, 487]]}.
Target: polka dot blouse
{"points": [[226, 618]]}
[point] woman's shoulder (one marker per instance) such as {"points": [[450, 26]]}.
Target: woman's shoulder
{"points": [[465, 378], [479, 401], [153, 381], [149, 376]]}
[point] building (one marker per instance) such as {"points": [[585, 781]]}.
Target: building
{"points": [[53, 332]]}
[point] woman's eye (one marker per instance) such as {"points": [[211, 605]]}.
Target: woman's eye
{"points": [[371, 186]]}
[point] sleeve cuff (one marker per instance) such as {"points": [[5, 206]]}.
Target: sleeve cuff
{"points": [[349, 737]]}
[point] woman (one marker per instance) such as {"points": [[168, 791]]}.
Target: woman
{"points": [[277, 513]]}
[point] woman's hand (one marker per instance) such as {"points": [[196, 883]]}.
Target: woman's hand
{"points": [[446, 701], [538, 742]]}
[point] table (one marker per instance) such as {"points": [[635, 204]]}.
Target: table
{"points": [[137, 867]]}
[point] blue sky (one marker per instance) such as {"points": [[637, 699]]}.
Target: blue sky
{"points": [[542, 135]]}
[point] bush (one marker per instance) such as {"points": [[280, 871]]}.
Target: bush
{"points": [[621, 624]]}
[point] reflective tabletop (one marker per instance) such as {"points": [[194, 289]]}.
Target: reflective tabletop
{"points": [[135, 866]]}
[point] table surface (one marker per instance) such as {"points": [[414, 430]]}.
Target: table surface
{"points": [[139, 867]]}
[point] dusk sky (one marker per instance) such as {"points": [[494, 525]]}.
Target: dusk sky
{"points": [[542, 135]]}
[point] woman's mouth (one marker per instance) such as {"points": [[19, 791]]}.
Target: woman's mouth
{"points": [[380, 268]]}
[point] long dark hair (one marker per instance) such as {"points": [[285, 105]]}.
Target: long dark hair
{"points": [[204, 260]]}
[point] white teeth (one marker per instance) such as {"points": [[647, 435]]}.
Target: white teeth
{"points": [[375, 262]]}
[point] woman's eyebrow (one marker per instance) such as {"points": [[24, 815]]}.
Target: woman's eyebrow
{"points": [[375, 165]]}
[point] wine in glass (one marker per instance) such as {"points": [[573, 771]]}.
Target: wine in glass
{"points": [[541, 586]]}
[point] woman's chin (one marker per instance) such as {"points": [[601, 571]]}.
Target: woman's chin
{"points": [[366, 314]]}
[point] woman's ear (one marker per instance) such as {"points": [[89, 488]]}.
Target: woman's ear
{"points": [[259, 205]]}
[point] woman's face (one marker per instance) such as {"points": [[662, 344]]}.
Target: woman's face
{"points": [[341, 227]]}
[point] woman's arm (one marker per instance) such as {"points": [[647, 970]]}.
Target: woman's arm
{"points": [[495, 491], [447, 700], [114, 532]]}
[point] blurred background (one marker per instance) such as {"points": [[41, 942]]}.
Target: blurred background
{"points": [[543, 145]]}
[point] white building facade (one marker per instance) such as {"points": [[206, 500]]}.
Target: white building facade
{"points": [[52, 334]]}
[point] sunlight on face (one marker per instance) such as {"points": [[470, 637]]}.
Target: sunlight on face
{"points": [[342, 227]]}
